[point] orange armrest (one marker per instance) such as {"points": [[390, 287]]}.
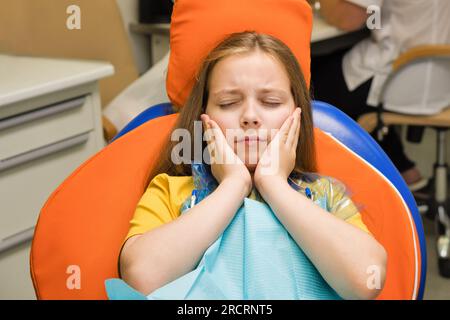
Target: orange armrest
{"points": [[421, 52]]}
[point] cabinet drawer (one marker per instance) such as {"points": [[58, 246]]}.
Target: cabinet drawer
{"points": [[29, 131], [15, 274], [24, 188]]}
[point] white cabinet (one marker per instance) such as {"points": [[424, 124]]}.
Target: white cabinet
{"points": [[50, 123]]}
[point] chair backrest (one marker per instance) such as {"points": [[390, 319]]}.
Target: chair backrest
{"points": [[197, 26], [85, 220], [419, 81]]}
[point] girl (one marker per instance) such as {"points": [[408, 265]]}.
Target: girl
{"points": [[252, 85]]}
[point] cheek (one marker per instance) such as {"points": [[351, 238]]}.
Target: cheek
{"points": [[275, 122], [278, 118], [221, 118], [224, 122], [279, 122]]}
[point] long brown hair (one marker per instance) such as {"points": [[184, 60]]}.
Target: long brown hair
{"points": [[239, 43]]}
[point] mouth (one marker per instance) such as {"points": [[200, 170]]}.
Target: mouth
{"points": [[251, 136], [250, 139]]}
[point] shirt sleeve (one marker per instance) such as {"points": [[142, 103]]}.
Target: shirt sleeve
{"points": [[154, 208], [342, 206], [366, 3]]}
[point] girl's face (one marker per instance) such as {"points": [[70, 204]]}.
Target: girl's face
{"points": [[249, 98]]}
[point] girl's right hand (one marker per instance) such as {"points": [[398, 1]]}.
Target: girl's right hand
{"points": [[225, 164]]}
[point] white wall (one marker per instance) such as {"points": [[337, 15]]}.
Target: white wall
{"points": [[139, 43]]}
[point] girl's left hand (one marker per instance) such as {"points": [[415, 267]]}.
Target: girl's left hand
{"points": [[278, 160]]}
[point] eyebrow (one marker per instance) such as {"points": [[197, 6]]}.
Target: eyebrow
{"points": [[227, 91], [237, 91]]}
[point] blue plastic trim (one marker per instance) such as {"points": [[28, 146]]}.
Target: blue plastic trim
{"points": [[150, 113]]}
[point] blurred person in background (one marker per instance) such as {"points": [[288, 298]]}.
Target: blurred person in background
{"points": [[352, 79]]}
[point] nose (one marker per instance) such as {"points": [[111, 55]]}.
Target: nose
{"points": [[249, 117]]}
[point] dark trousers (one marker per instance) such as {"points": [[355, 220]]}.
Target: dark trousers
{"points": [[328, 85]]}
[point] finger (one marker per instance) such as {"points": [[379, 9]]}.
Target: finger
{"points": [[284, 130], [206, 121], [207, 128], [216, 131], [225, 150], [292, 130], [209, 135], [297, 131], [214, 125], [220, 142], [204, 118]]}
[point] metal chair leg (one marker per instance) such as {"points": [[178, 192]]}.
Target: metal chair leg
{"points": [[441, 204]]}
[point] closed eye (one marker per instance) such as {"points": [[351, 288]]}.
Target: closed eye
{"points": [[224, 105], [272, 104], [268, 103]]}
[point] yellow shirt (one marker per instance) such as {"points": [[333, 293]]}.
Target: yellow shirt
{"points": [[165, 194]]}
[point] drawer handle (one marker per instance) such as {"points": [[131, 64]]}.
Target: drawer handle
{"points": [[43, 151], [16, 239], [42, 112]]}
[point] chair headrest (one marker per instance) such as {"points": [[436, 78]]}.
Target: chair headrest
{"points": [[198, 26]]}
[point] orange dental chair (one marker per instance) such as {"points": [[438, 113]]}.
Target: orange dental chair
{"points": [[83, 223]]}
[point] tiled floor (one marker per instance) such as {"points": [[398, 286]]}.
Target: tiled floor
{"points": [[436, 287]]}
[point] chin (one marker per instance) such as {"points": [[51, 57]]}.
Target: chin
{"points": [[251, 167], [250, 161]]}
